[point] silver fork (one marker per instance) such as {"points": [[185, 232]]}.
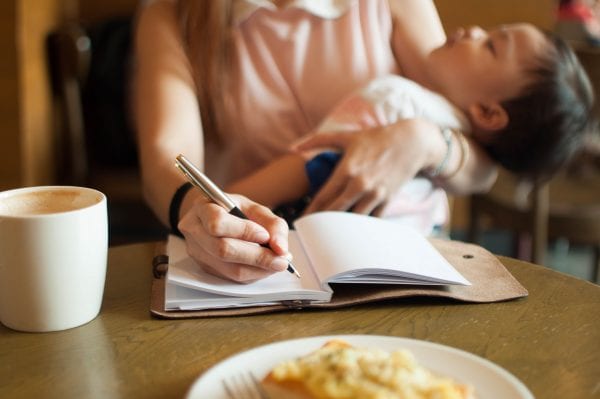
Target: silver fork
{"points": [[244, 386]]}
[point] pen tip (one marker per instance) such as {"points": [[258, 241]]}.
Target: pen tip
{"points": [[293, 270]]}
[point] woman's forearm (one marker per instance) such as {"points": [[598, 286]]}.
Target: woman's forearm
{"points": [[466, 167], [165, 106], [160, 180], [282, 180], [478, 173]]}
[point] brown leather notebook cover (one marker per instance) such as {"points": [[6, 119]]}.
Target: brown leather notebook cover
{"points": [[490, 280]]}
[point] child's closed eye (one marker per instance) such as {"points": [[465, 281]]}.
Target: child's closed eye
{"points": [[490, 45]]}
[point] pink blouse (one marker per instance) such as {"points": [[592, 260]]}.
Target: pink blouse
{"points": [[294, 65]]}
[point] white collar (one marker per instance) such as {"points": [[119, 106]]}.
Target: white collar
{"points": [[327, 9]]}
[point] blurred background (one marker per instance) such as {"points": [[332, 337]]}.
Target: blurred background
{"points": [[64, 120]]}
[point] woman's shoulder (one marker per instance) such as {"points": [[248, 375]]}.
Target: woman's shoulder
{"points": [[158, 34], [156, 10], [155, 15]]}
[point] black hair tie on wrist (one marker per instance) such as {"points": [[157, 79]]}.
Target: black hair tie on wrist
{"points": [[175, 206]]}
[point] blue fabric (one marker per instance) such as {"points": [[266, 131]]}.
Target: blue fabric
{"points": [[320, 168], [318, 171]]}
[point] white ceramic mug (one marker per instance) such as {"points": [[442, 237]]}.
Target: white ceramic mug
{"points": [[53, 253]]}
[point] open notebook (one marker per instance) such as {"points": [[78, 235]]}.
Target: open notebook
{"points": [[329, 248]]}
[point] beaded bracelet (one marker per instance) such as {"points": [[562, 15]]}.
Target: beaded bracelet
{"points": [[464, 153], [447, 135]]}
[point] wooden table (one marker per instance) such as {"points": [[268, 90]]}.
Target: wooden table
{"points": [[550, 340]]}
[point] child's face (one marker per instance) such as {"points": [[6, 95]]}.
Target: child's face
{"points": [[477, 66]]}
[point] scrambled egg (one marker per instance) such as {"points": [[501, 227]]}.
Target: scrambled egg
{"points": [[339, 371]]}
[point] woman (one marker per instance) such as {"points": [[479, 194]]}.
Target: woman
{"points": [[232, 84]]}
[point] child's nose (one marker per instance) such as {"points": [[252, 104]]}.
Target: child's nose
{"points": [[475, 32]]}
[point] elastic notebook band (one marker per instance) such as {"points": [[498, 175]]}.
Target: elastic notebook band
{"points": [[175, 207]]}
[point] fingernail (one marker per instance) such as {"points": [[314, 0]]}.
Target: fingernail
{"points": [[279, 264]]}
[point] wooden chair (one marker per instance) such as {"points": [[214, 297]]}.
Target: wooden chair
{"points": [[567, 207], [89, 69]]}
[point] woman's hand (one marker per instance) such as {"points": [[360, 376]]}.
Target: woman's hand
{"points": [[375, 164], [227, 246]]}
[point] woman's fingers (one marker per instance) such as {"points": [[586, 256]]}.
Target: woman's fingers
{"points": [[234, 250], [276, 227], [372, 202], [327, 195], [227, 246], [345, 193], [219, 223], [234, 271], [362, 194], [237, 260]]}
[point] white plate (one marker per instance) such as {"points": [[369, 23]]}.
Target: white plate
{"points": [[489, 380]]}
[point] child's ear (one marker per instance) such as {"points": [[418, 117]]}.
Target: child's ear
{"points": [[489, 117]]}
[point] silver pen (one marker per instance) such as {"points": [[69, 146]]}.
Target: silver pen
{"points": [[215, 194]]}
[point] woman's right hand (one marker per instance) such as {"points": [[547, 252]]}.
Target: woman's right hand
{"points": [[227, 246]]}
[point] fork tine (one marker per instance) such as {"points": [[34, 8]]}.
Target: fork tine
{"points": [[228, 390], [258, 387], [249, 386], [244, 386]]}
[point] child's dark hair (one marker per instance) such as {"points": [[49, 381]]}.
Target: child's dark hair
{"points": [[548, 121]]}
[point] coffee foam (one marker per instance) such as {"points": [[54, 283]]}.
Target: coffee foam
{"points": [[47, 201]]}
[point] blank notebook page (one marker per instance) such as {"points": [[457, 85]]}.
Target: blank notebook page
{"points": [[339, 241]]}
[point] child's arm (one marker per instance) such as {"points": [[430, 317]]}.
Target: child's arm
{"points": [[280, 181]]}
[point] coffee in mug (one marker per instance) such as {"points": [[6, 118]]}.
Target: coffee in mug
{"points": [[53, 254]]}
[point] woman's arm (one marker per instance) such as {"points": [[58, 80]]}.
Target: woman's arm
{"points": [[168, 123], [476, 175], [417, 31], [166, 108], [280, 181]]}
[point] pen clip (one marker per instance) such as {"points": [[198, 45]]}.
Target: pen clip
{"points": [[190, 177], [198, 179]]}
